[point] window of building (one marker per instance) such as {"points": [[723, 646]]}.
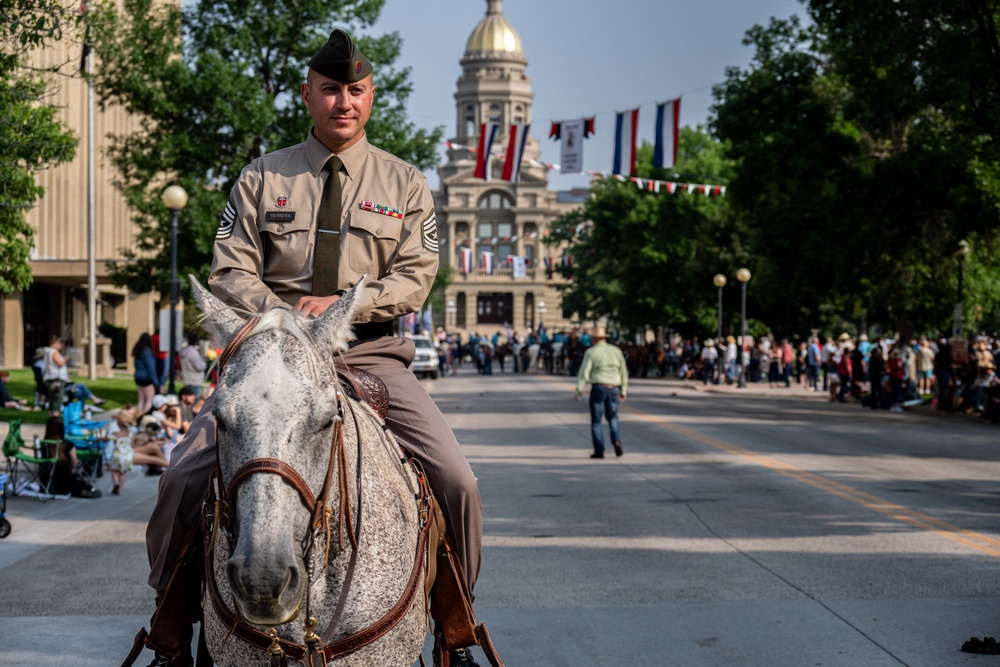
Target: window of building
{"points": [[495, 114], [470, 121], [495, 200], [461, 231], [460, 310], [503, 251], [518, 114], [505, 230]]}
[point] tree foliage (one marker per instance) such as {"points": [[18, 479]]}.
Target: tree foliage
{"points": [[217, 85], [645, 258], [866, 147], [32, 137]]}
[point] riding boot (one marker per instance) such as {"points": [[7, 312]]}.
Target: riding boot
{"points": [[460, 657], [183, 657]]}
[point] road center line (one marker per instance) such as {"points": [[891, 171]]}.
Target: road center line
{"points": [[972, 539]]}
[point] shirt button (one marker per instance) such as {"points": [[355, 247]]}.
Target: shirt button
{"points": [[281, 228], [378, 230]]}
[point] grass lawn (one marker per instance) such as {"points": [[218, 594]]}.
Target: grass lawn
{"points": [[117, 390]]}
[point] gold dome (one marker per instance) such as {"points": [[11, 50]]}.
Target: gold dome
{"points": [[494, 33]]}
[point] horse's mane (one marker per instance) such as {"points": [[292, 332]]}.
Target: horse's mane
{"points": [[290, 322]]}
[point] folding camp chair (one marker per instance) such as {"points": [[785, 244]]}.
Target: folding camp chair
{"points": [[20, 462], [89, 437]]}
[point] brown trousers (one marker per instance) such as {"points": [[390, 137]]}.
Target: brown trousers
{"points": [[413, 418]]}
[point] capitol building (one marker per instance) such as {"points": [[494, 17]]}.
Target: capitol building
{"points": [[497, 216]]}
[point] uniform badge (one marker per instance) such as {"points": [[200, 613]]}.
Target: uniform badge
{"points": [[380, 209], [357, 67], [226, 224], [429, 233], [281, 202]]}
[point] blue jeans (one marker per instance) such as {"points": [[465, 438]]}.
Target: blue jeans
{"points": [[81, 391], [812, 372], [603, 402]]}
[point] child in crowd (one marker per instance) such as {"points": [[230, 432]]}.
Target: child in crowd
{"points": [[127, 449]]}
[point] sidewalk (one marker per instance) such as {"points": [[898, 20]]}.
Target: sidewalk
{"points": [[798, 392]]}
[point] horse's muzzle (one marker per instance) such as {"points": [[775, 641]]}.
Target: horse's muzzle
{"points": [[269, 590]]}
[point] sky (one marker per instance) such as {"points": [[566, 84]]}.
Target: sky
{"points": [[585, 58]]}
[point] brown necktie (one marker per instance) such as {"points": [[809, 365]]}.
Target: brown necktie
{"points": [[327, 255]]}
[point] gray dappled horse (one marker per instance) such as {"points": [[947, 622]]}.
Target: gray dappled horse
{"points": [[276, 560]]}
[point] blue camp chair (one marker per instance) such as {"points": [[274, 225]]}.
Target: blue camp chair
{"points": [[88, 436]]}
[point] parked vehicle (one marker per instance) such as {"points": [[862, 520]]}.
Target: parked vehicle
{"points": [[425, 362]]}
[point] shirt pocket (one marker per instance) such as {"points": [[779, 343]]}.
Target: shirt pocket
{"points": [[372, 240], [286, 245]]}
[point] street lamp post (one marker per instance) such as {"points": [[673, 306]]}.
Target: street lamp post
{"points": [[743, 275], [720, 281], [452, 310], [174, 198], [963, 250]]}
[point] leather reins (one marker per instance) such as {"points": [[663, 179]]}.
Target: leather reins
{"points": [[219, 518]]}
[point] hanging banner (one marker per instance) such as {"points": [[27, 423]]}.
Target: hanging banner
{"points": [[626, 124], [466, 256], [487, 135], [571, 157], [668, 117], [515, 152], [487, 262], [519, 266]]}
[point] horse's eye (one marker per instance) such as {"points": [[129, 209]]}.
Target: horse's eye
{"points": [[221, 425], [327, 426]]}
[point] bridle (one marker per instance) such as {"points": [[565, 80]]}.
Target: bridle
{"points": [[315, 649]]}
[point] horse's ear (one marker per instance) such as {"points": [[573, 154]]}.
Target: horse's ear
{"points": [[335, 326], [221, 318]]}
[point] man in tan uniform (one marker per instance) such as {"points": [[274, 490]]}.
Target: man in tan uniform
{"points": [[269, 253]]}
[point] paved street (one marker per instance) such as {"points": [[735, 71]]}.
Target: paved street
{"points": [[762, 527]]}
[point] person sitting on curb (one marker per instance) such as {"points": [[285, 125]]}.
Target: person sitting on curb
{"points": [[6, 399]]}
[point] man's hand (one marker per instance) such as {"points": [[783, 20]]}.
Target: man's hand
{"points": [[621, 397], [577, 397], [315, 305]]}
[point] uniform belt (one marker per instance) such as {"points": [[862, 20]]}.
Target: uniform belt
{"points": [[370, 330]]}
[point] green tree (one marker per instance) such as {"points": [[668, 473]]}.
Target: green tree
{"points": [[865, 146], [31, 136], [646, 258], [218, 85]]}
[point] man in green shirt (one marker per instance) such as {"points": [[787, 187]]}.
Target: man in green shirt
{"points": [[604, 368]]}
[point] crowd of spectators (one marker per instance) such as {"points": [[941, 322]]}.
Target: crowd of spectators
{"points": [[880, 373]]}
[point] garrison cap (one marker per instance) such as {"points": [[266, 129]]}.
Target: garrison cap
{"points": [[340, 59]]}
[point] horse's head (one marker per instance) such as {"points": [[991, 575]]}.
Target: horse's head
{"points": [[276, 399]]}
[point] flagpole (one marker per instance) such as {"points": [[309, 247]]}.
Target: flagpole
{"points": [[91, 224]]}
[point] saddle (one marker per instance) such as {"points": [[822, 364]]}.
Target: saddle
{"points": [[365, 387]]}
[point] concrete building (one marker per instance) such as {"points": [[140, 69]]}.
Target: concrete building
{"points": [[57, 302], [507, 219]]}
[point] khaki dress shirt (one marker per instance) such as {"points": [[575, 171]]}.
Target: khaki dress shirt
{"points": [[265, 243]]}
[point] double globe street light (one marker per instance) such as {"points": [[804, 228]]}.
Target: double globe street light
{"points": [[174, 198]]}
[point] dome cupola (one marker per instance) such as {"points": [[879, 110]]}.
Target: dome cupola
{"points": [[494, 35]]}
